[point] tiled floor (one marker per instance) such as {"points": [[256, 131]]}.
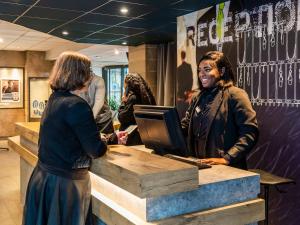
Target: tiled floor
{"points": [[10, 207]]}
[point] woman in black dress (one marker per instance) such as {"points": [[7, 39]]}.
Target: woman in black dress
{"points": [[220, 123], [137, 91], [59, 190]]}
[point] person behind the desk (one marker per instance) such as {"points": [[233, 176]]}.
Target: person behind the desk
{"points": [[59, 190], [220, 123], [137, 91]]}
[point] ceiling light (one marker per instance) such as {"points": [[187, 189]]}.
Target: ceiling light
{"points": [[124, 10], [1, 40], [65, 33], [124, 43], [117, 52]]}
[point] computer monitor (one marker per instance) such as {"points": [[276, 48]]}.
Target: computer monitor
{"points": [[160, 129]]}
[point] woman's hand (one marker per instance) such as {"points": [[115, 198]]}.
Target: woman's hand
{"points": [[104, 137], [122, 137], [214, 161], [124, 98]]}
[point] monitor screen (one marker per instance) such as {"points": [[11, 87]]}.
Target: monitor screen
{"points": [[160, 129]]}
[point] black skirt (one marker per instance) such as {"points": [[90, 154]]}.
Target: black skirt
{"points": [[57, 200]]}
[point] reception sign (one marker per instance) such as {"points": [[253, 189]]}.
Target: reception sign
{"points": [[262, 43]]}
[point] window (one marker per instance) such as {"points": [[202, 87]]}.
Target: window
{"points": [[114, 82]]}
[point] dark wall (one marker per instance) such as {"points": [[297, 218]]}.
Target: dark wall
{"points": [[278, 151], [265, 51]]}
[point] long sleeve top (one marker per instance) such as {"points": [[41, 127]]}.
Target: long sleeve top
{"points": [[95, 96], [126, 116], [232, 129], [68, 137]]}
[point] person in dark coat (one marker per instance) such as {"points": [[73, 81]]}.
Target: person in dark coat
{"points": [[184, 78], [137, 91], [220, 123], [59, 190]]}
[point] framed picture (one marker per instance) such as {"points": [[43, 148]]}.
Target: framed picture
{"points": [[39, 92], [12, 87]]}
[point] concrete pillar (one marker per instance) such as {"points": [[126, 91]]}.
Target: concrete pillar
{"points": [[143, 60]]}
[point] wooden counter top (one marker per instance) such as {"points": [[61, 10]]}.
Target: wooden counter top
{"points": [[138, 172], [29, 130], [144, 174]]}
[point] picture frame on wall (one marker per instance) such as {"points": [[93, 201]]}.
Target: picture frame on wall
{"points": [[39, 92], [11, 87]]}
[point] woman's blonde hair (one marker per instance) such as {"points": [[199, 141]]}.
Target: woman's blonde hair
{"points": [[70, 72]]}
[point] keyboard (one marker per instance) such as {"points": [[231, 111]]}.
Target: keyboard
{"points": [[191, 161]]}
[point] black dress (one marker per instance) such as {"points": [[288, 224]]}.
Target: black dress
{"points": [[59, 190]]}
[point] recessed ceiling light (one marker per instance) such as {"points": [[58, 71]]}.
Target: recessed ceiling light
{"points": [[124, 43], [124, 10], [117, 52], [1, 40], [65, 33]]}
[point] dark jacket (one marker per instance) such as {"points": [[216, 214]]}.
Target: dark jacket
{"points": [[68, 137], [232, 126], [125, 111], [126, 118], [184, 79]]}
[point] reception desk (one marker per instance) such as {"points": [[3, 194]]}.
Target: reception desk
{"points": [[132, 186]]}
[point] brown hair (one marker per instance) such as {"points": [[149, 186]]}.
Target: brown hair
{"points": [[70, 72]]}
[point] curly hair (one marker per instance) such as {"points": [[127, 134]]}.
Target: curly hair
{"points": [[137, 84]]}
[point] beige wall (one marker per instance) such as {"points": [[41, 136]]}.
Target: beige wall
{"points": [[142, 60], [34, 65]]}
